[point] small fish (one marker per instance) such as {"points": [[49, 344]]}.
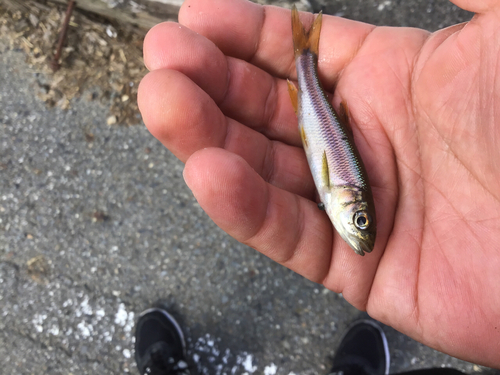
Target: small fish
{"points": [[335, 162]]}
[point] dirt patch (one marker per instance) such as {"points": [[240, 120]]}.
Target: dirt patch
{"points": [[99, 57]]}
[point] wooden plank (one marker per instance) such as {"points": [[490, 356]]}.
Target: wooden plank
{"points": [[147, 13], [141, 13]]}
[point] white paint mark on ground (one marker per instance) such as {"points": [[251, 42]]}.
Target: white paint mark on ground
{"points": [[247, 364], [85, 307], [85, 329], [54, 330], [210, 358], [381, 6], [130, 322], [226, 356], [126, 353], [121, 315], [124, 319], [271, 369], [38, 320], [99, 313]]}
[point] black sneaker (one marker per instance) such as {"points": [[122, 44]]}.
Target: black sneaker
{"points": [[160, 348], [362, 351]]}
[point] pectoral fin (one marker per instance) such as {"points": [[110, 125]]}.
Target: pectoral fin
{"points": [[325, 171], [303, 136]]}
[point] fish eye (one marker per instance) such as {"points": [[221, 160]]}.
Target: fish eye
{"points": [[362, 220]]}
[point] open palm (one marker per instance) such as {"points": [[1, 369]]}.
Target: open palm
{"points": [[425, 112]]}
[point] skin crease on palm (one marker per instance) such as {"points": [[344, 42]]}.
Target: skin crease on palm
{"points": [[425, 112]]}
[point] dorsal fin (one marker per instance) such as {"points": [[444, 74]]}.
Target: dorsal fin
{"points": [[294, 95], [344, 116]]}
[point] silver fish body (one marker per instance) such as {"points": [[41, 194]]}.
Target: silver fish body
{"points": [[335, 163]]}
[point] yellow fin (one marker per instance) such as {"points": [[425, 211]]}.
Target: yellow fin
{"points": [[294, 95], [302, 40], [344, 112], [344, 116], [303, 136], [325, 171]]}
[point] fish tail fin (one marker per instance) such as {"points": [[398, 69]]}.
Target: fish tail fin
{"points": [[305, 40]]}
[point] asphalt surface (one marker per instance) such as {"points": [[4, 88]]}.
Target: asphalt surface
{"points": [[426, 14], [96, 225]]}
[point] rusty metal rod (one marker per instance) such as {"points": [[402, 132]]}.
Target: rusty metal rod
{"points": [[54, 64]]}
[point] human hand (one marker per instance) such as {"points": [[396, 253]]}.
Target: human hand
{"points": [[425, 112]]}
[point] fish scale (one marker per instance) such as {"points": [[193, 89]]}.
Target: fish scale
{"points": [[317, 116]]}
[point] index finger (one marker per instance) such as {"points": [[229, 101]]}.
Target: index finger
{"points": [[262, 35]]}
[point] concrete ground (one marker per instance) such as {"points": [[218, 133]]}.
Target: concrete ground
{"points": [[96, 225]]}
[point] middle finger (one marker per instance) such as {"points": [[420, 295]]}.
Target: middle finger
{"points": [[243, 91], [186, 119]]}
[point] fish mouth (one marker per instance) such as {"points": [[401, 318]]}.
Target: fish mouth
{"points": [[361, 247]]}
